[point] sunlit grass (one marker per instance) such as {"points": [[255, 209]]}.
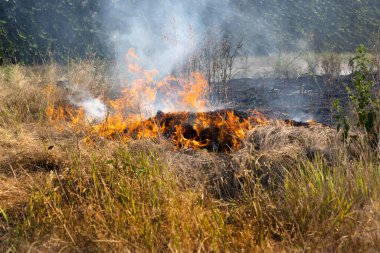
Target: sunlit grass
{"points": [[288, 189]]}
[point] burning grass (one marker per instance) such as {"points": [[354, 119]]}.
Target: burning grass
{"points": [[66, 187]]}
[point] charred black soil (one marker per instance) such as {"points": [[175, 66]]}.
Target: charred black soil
{"points": [[299, 99]]}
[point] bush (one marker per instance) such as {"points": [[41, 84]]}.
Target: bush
{"points": [[331, 66], [312, 61], [285, 66], [363, 103], [376, 54]]}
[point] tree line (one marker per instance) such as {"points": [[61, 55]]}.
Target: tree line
{"points": [[35, 30]]}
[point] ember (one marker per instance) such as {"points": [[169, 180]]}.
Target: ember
{"points": [[221, 130]]}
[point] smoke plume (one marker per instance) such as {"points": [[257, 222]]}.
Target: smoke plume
{"points": [[163, 32]]}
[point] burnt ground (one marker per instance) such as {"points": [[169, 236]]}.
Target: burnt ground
{"points": [[300, 99]]}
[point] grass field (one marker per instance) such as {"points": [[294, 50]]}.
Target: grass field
{"points": [[287, 189]]}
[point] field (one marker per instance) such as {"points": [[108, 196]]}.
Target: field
{"points": [[284, 188]]}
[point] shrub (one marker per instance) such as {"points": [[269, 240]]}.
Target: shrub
{"points": [[363, 103], [331, 66], [376, 54], [312, 61], [285, 66]]}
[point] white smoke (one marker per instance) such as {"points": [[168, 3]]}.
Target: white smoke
{"points": [[94, 108], [163, 32], [300, 116]]}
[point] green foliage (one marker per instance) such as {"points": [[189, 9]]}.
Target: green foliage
{"points": [[32, 31], [362, 99], [322, 25], [342, 121], [363, 102]]}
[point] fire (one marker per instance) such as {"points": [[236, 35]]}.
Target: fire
{"points": [[131, 115], [311, 122], [193, 91]]}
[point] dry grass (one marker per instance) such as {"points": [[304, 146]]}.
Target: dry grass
{"points": [[288, 189]]}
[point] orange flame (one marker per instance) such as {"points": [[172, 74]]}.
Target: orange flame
{"points": [[144, 94]]}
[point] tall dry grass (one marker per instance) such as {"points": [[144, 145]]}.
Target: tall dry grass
{"points": [[288, 189]]}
